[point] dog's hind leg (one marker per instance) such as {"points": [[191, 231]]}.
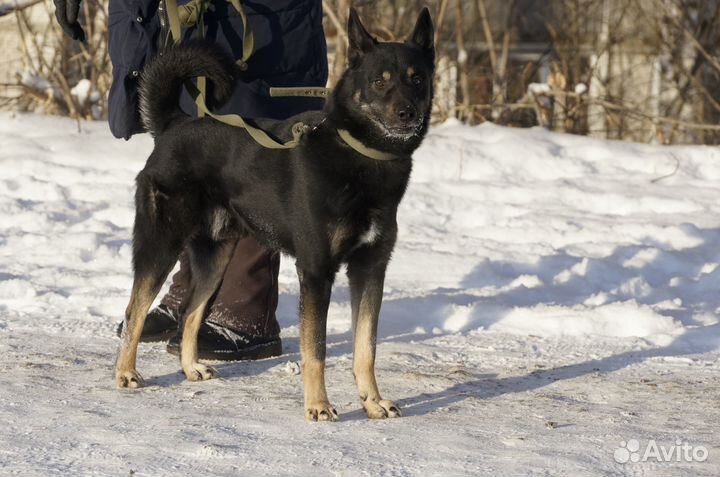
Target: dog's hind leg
{"points": [[145, 289], [314, 302], [366, 290], [153, 262], [208, 261]]}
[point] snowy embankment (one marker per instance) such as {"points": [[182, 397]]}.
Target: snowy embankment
{"points": [[550, 298], [553, 234]]}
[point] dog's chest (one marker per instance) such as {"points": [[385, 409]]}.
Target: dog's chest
{"points": [[357, 211], [369, 236], [345, 237]]}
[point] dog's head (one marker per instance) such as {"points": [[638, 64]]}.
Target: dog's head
{"points": [[385, 96]]}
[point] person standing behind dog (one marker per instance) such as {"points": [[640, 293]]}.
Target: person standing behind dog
{"points": [[289, 50]]}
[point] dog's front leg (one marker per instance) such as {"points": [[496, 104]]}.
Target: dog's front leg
{"points": [[366, 291], [314, 301]]}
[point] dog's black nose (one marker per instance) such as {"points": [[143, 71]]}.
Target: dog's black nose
{"points": [[406, 113]]}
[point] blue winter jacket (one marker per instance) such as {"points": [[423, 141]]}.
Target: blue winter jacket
{"points": [[289, 50]]}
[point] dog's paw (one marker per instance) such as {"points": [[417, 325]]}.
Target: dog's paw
{"points": [[381, 409], [128, 379], [199, 372], [320, 411]]}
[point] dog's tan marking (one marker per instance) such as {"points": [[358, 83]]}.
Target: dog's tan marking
{"points": [[338, 235], [410, 72], [386, 75], [126, 375], [367, 297], [356, 97]]}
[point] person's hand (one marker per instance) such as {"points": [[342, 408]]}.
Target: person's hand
{"points": [[66, 12]]}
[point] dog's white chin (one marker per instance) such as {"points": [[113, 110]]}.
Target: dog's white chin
{"points": [[396, 135]]}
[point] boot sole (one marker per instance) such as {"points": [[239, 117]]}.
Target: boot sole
{"points": [[271, 349]]}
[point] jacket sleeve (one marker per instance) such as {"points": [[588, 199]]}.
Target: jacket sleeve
{"points": [[133, 29]]}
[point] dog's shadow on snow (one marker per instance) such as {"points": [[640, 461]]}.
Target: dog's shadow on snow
{"points": [[677, 276], [698, 340], [669, 274]]}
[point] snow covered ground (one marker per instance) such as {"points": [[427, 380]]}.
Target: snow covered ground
{"points": [[552, 309]]}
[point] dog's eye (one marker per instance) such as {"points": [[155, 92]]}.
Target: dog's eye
{"points": [[379, 84], [416, 80]]}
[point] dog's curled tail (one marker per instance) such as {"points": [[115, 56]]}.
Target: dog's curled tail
{"points": [[162, 80]]}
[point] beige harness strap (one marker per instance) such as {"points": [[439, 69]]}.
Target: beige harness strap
{"points": [[248, 39], [174, 20], [363, 149], [260, 136]]}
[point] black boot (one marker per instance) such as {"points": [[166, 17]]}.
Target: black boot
{"points": [[218, 343], [215, 342], [160, 325]]}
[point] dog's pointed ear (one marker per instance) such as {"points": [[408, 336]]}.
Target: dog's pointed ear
{"points": [[423, 34], [359, 40]]}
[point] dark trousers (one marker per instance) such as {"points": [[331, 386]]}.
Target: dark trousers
{"points": [[247, 297]]}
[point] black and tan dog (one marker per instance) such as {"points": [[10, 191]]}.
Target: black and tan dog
{"points": [[331, 200]]}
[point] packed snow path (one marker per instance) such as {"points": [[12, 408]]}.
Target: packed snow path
{"points": [[553, 301]]}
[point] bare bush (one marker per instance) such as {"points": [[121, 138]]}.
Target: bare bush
{"points": [[55, 74]]}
